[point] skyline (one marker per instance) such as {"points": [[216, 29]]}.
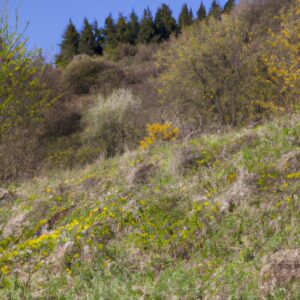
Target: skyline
{"points": [[40, 15]]}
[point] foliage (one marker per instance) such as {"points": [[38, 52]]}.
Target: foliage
{"points": [[201, 13], [69, 45], [186, 17], [22, 94], [110, 123], [165, 24], [147, 28], [215, 10], [229, 6], [109, 32], [159, 132], [85, 73], [121, 29], [87, 42], [133, 28], [211, 74], [282, 58]]}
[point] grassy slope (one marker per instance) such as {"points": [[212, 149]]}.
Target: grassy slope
{"points": [[198, 226]]}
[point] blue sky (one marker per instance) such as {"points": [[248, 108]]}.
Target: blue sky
{"points": [[48, 18]]}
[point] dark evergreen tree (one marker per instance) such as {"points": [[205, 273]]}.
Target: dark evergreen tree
{"points": [[109, 31], [122, 29], [147, 28], [133, 28], [99, 39], [69, 45], [87, 42], [229, 6], [215, 10], [165, 24], [201, 13], [185, 17]]}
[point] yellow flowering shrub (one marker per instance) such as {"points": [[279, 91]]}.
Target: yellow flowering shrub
{"points": [[283, 63], [159, 132]]}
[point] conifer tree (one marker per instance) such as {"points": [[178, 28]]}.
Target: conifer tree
{"points": [[87, 42], [147, 28], [109, 31], [69, 45], [215, 10], [201, 13], [185, 17], [165, 24], [99, 39], [229, 6], [133, 28], [121, 29]]}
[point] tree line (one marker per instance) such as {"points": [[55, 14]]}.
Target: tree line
{"points": [[94, 40]]}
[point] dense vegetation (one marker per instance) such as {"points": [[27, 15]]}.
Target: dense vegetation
{"points": [[159, 159], [131, 31]]}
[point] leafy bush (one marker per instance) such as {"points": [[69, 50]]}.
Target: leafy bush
{"points": [[222, 72], [282, 58], [110, 124], [85, 73], [25, 97], [22, 94]]}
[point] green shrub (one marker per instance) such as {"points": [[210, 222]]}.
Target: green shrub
{"points": [[215, 72], [85, 74], [22, 94], [110, 124]]}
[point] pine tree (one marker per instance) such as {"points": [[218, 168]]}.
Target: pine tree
{"points": [[215, 10], [69, 45], [229, 6], [165, 24], [87, 43], [185, 17], [147, 28], [110, 31], [99, 39], [121, 29], [201, 14], [133, 28]]}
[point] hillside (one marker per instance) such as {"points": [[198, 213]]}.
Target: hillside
{"points": [[157, 158], [212, 217]]}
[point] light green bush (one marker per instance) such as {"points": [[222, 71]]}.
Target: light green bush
{"points": [[111, 122]]}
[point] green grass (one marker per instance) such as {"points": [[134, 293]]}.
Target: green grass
{"points": [[199, 226]]}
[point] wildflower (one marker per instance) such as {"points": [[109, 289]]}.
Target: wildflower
{"points": [[288, 200], [159, 132], [294, 176], [5, 269]]}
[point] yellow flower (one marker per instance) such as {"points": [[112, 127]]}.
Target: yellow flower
{"points": [[159, 132], [288, 200], [294, 176], [5, 269]]}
